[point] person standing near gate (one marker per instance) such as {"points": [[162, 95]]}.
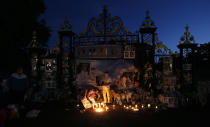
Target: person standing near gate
{"points": [[106, 87], [17, 84]]}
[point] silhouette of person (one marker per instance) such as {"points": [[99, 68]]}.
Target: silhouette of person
{"points": [[17, 84]]}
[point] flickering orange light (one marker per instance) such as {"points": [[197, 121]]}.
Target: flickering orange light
{"points": [[100, 107], [99, 110], [135, 109]]}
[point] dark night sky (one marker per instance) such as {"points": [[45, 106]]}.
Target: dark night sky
{"points": [[170, 16]]}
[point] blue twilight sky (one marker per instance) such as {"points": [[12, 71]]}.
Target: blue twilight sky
{"points": [[170, 16]]}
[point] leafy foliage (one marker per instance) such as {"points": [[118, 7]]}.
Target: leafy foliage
{"points": [[19, 18]]}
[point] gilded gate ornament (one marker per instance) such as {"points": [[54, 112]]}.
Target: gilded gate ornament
{"points": [[105, 25], [187, 38], [160, 48], [148, 23], [66, 26], [34, 43]]}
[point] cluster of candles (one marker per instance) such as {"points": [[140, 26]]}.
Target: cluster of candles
{"points": [[100, 107], [137, 108], [134, 108]]}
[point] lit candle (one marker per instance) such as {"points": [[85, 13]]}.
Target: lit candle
{"points": [[135, 109], [99, 110]]}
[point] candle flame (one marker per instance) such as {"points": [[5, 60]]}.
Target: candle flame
{"points": [[99, 110]]}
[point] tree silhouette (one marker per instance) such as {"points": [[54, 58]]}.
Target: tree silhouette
{"points": [[19, 18]]}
